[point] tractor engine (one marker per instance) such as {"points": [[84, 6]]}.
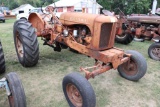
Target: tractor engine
{"points": [[146, 27], [147, 30], [97, 32], [82, 34]]}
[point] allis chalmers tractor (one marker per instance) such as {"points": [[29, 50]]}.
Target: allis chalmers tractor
{"points": [[12, 84], [90, 34]]}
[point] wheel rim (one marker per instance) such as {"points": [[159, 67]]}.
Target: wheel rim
{"points": [[74, 95], [156, 52], [10, 97], [11, 100], [130, 68], [19, 45]]}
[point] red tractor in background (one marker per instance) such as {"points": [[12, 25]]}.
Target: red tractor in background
{"points": [[147, 27]]}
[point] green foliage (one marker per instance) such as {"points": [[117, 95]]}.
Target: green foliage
{"points": [[15, 3], [127, 6]]}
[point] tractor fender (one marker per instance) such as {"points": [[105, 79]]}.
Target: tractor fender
{"points": [[37, 22]]}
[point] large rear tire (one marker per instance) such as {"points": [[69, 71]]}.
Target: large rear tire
{"points": [[135, 68], [78, 91], [154, 51], [124, 38], [2, 60], [17, 97], [26, 43]]}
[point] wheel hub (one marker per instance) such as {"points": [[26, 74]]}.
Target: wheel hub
{"points": [[156, 52], [130, 68], [19, 46], [74, 95]]}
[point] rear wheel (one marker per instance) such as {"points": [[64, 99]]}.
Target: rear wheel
{"points": [[124, 38], [17, 97], [135, 68], [154, 51], [26, 43], [2, 60], [78, 91]]}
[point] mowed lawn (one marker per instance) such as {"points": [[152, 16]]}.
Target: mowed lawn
{"points": [[43, 83]]}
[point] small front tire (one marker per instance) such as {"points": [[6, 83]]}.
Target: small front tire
{"points": [[135, 68], [17, 97], [78, 91]]}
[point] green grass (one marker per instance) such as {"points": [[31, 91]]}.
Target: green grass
{"points": [[43, 83]]}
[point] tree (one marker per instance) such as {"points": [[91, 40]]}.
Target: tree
{"points": [[127, 6]]}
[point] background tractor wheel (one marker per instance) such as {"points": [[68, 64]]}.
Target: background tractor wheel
{"points": [[26, 43], [154, 51], [135, 68], [2, 60], [17, 97], [124, 38], [78, 91]]}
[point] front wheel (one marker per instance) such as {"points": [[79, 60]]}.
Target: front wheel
{"points": [[78, 91], [154, 51], [135, 68], [17, 97], [26, 43]]}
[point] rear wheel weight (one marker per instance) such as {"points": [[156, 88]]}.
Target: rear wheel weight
{"points": [[17, 97], [78, 91], [26, 43], [135, 68]]}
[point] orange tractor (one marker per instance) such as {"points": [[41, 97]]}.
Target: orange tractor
{"points": [[90, 34]]}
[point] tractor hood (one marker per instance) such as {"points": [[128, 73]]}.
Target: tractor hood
{"points": [[145, 19], [70, 18]]}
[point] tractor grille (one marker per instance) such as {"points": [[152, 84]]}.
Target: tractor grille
{"points": [[105, 34]]}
